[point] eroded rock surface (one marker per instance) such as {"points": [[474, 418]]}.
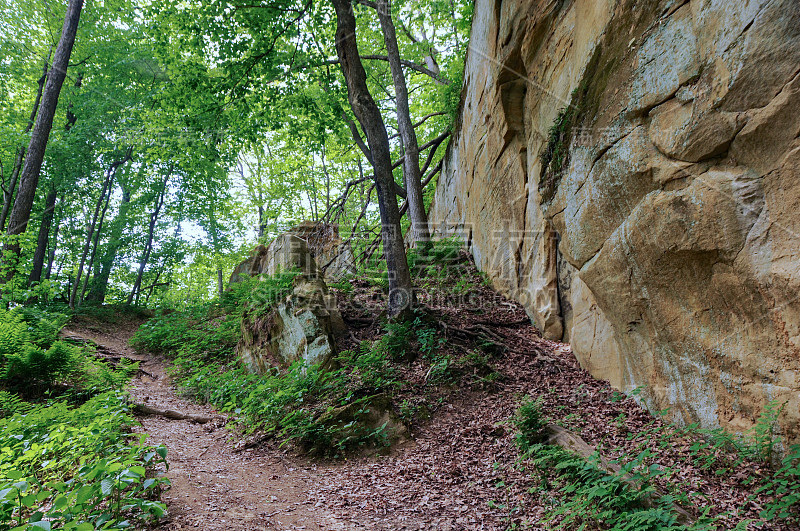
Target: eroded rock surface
{"points": [[299, 325], [666, 249]]}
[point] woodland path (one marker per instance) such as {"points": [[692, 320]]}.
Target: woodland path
{"points": [[214, 487]]}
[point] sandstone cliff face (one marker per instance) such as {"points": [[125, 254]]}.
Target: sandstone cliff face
{"points": [[656, 226]]}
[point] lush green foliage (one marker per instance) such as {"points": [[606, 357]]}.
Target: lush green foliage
{"points": [[530, 423], [784, 486], [296, 405], [32, 359], [75, 468], [292, 405], [209, 330]]}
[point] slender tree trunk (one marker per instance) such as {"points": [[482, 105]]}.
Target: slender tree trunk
{"points": [[368, 114], [8, 194], [261, 220], [52, 254], [90, 233], [215, 244], [95, 245], [411, 171], [115, 166], [99, 285], [44, 234], [148, 247], [29, 179]]}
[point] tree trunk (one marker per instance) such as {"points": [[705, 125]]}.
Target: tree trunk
{"points": [[411, 171], [95, 245], [8, 194], [368, 114], [44, 234], [101, 199], [116, 165], [99, 285], [21, 213], [148, 247], [52, 255]]}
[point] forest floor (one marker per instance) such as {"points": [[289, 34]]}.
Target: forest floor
{"points": [[460, 470]]}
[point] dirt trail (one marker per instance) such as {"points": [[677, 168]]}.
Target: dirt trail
{"points": [[213, 487]]}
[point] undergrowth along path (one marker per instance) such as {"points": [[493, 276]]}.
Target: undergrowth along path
{"points": [[214, 487]]}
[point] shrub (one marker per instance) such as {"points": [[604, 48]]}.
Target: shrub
{"points": [[530, 423]]}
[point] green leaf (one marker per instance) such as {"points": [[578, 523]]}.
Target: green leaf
{"points": [[14, 474], [84, 494], [107, 486]]}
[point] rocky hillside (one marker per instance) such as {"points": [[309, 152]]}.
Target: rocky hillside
{"points": [[627, 171]]}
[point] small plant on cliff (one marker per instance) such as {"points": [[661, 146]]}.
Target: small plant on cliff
{"points": [[554, 158]]}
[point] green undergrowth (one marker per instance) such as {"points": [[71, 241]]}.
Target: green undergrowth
{"points": [[34, 362], [67, 458], [297, 405], [209, 331], [592, 498], [78, 468]]}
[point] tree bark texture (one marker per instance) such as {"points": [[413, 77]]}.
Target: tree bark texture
{"points": [[29, 179], [369, 116]]}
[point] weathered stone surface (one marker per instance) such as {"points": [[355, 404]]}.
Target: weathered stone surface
{"points": [[668, 254], [372, 414], [334, 256], [298, 327]]}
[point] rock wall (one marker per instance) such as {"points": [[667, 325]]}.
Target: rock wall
{"points": [[628, 171]]}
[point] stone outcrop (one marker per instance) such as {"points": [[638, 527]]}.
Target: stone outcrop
{"points": [[287, 327], [334, 256], [655, 225]]}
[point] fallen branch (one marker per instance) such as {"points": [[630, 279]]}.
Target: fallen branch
{"points": [[489, 322], [173, 415]]}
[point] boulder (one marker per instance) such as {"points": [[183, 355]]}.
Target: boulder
{"points": [[334, 256], [300, 325], [370, 419]]}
